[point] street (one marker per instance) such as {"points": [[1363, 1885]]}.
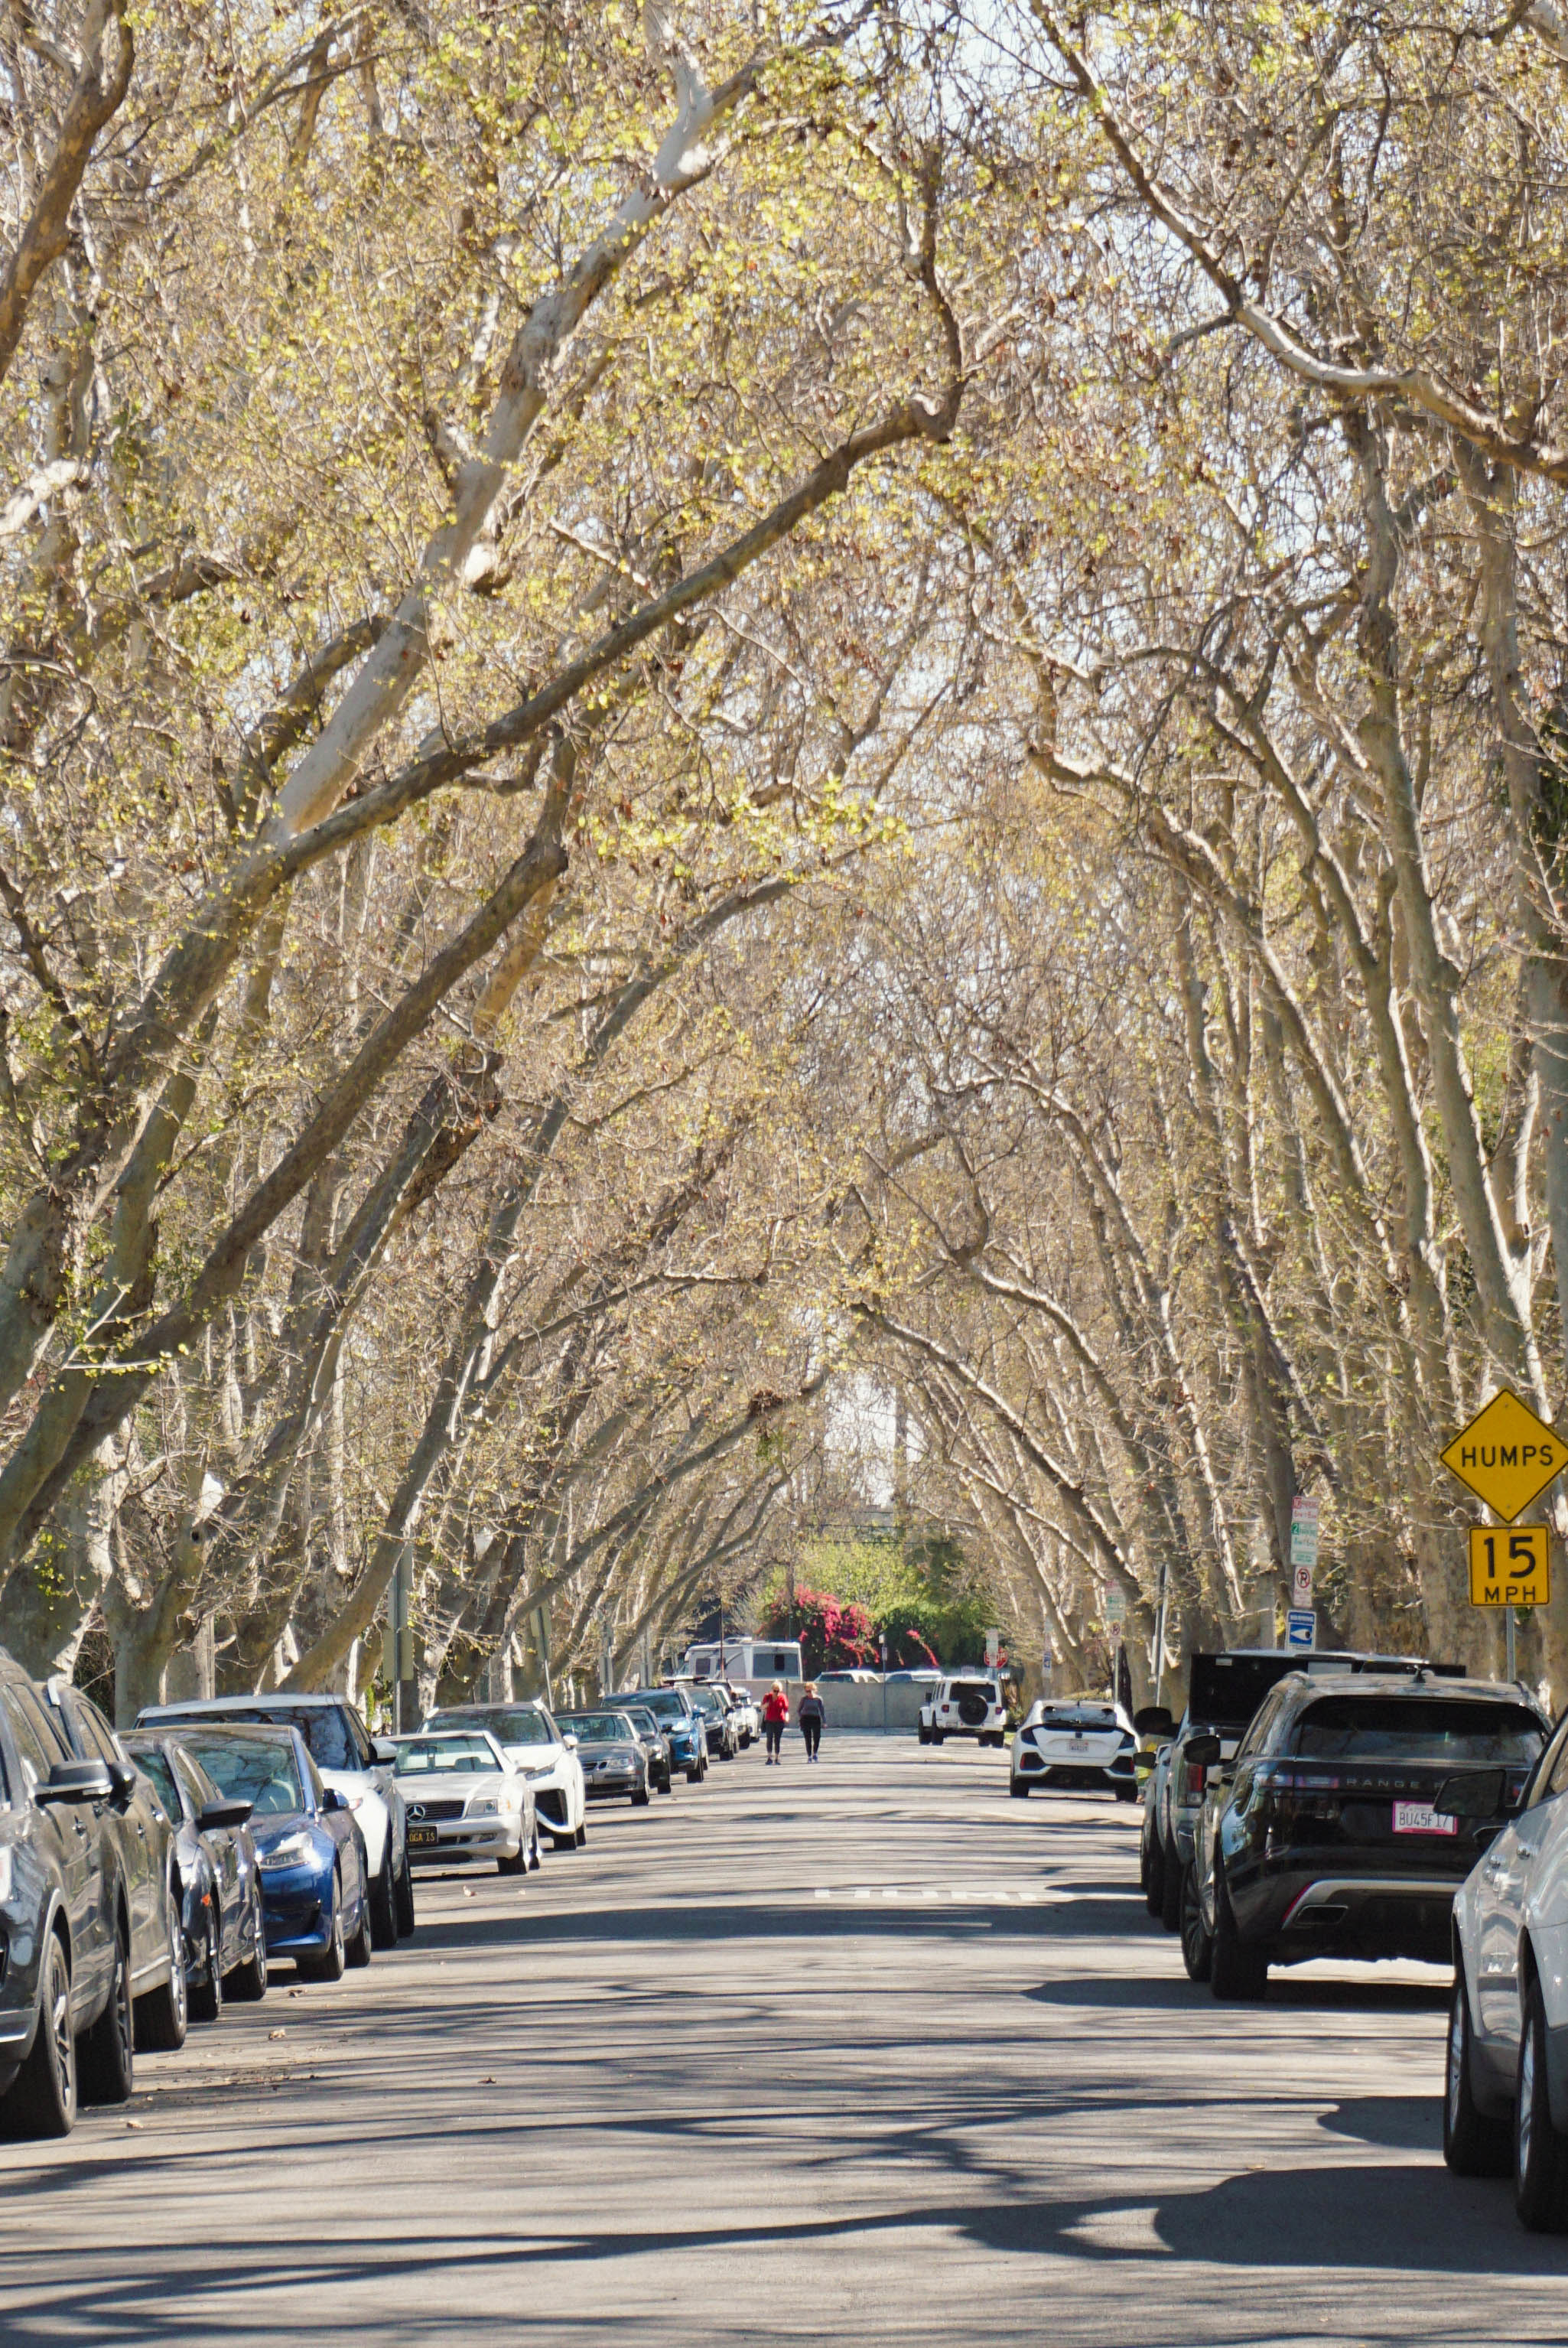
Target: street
{"points": [[866, 2052]]}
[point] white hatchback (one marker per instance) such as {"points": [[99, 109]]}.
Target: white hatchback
{"points": [[967, 1704], [1080, 1744], [1505, 2100]]}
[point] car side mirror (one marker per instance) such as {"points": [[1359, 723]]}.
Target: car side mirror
{"points": [[1201, 1752], [1153, 1721], [385, 1750], [76, 1781], [122, 1781], [224, 1813], [568, 1738], [1478, 1794], [332, 1800]]}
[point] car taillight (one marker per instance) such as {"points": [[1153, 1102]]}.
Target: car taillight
{"points": [[1193, 1779]]}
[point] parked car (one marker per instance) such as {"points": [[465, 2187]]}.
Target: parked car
{"points": [[352, 1762], [217, 1875], [531, 1739], [748, 1719], [860, 1678], [965, 1704], [718, 1724], [66, 2010], [614, 1764], [466, 1801], [655, 1743], [1224, 1692], [315, 1876], [683, 1727], [1326, 1836], [1078, 1744], [142, 1833], [1505, 2090]]}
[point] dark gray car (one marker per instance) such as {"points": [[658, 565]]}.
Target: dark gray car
{"points": [[217, 1876], [613, 1757], [66, 2009]]}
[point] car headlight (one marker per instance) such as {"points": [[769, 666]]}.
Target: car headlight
{"points": [[288, 1852]]}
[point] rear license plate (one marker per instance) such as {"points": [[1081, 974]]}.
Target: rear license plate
{"points": [[422, 1838], [1419, 1818]]}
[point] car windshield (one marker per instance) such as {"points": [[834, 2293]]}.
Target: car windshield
{"points": [[522, 1724], [261, 1770], [703, 1700], [328, 1738], [597, 1727], [154, 1765], [423, 1754], [1416, 1728], [663, 1703], [644, 1721]]}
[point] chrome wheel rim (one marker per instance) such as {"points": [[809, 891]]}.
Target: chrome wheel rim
{"points": [[260, 1951], [178, 1986], [1456, 2057], [62, 2043], [1526, 2095]]}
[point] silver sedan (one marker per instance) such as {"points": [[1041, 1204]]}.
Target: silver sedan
{"points": [[466, 1801]]}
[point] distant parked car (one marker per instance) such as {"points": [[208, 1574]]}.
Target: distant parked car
{"points": [[529, 1737], [351, 1762], [965, 1704], [1328, 1836], [682, 1725], [316, 1878], [466, 1801], [142, 1832], [217, 1876], [1076, 1743], [748, 1719], [1505, 2100], [65, 2011], [718, 1723], [614, 1764], [655, 1743]]}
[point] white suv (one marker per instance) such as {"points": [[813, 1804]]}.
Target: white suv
{"points": [[967, 1703], [1505, 2102]]}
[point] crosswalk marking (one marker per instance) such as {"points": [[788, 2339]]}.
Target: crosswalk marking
{"points": [[963, 1895]]}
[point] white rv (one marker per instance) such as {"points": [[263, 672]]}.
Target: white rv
{"points": [[746, 1659]]}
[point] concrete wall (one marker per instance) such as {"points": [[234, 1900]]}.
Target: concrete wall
{"points": [[857, 1704]]}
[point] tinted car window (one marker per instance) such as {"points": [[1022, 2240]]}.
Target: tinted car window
{"points": [[599, 1728], [197, 1784], [327, 1731], [519, 1724], [96, 1730], [1416, 1728], [1257, 1734], [250, 1770], [36, 1745], [156, 1767]]}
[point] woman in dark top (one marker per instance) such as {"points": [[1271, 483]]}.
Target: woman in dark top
{"points": [[809, 1714]]}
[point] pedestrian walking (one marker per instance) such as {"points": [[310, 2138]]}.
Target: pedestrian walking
{"points": [[810, 1714], [775, 1712]]}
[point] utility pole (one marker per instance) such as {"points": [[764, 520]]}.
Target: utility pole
{"points": [[397, 1650]]}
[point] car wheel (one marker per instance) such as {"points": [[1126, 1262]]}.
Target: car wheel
{"points": [[582, 1835], [105, 2061], [207, 1995], [1198, 1948], [936, 1735], [693, 1776], [640, 1799], [383, 1904], [1474, 2144], [1539, 2166], [329, 1965], [534, 1852], [1153, 1872], [163, 2014], [248, 1982], [358, 1951], [923, 1734], [43, 2097], [1171, 1894], [1126, 1793], [563, 1841], [1019, 1788], [403, 1895], [1238, 1972], [519, 1863]]}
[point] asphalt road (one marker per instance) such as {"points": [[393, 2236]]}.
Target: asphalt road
{"points": [[864, 2053]]}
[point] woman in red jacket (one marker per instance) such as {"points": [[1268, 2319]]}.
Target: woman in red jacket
{"points": [[775, 1713]]}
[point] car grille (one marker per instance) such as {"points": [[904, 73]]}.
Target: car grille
{"points": [[424, 1813]]}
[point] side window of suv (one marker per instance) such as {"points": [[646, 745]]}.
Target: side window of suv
{"points": [[1257, 1737], [95, 1731], [34, 1732]]}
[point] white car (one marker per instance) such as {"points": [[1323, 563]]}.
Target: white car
{"points": [[465, 1801], [527, 1735], [1080, 1744], [748, 1719], [1505, 2099], [965, 1704]]}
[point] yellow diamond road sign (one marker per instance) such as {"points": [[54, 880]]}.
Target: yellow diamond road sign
{"points": [[1506, 1456]]}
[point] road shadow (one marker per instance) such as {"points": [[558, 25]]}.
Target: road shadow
{"points": [[1165, 1991], [1402, 2123]]}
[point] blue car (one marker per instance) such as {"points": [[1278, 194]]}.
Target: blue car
{"points": [[316, 1878]]}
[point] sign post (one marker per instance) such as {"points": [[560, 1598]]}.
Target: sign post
{"points": [[1508, 1456]]}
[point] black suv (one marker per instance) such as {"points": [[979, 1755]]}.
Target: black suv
{"points": [[1326, 1836], [65, 1921]]}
